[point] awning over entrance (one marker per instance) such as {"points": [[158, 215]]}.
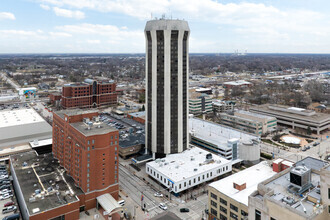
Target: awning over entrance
{"points": [[108, 203]]}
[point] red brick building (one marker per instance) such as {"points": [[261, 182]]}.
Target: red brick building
{"points": [[137, 116], [53, 97], [88, 150], [92, 93]]}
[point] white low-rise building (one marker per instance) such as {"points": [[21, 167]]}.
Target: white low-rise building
{"points": [[228, 197], [182, 171], [224, 141]]}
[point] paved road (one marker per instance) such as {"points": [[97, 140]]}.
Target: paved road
{"points": [[9, 81], [133, 186]]}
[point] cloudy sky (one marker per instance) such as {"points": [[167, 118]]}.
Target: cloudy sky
{"points": [[116, 26]]}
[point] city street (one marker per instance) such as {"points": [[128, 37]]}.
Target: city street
{"points": [[133, 185]]}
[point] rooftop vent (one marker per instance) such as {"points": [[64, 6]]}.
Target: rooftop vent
{"points": [[288, 200], [208, 156], [24, 163], [195, 169], [86, 120]]}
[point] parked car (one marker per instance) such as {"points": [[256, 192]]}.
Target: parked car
{"points": [[3, 176], [12, 217], [5, 196], [9, 204], [5, 187], [162, 206], [9, 209], [184, 210], [157, 194], [4, 191], [4, 181]]}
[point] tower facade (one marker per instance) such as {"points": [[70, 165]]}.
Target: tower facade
{"points": [[167, 65]]}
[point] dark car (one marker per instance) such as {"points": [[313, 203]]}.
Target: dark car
{"points": [[4, 187], [184, 210], [12, 217], [5, 182]]}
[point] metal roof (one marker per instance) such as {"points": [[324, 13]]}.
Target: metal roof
{"points": [[108, 203]]}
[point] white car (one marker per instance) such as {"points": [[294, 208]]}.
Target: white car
{"points": [[3, 176], [162, 206], [5, 191], [5, 196], [157, 194]]}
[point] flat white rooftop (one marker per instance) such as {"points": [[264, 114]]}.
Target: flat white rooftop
{"points": [[19, 117], [22, 126], [39, 143], [252, 176], [180, 166], [255, 114], [238, 83], [215, 133]]}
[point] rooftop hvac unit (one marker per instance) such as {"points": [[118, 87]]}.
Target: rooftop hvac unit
{"points": [[86, 120], [195, 169], [96, 118], [300, 176], [208, 156], [192, 158]]}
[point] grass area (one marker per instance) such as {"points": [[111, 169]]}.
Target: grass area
{"points": [[266, 156], [270, 142], [291, 145]]}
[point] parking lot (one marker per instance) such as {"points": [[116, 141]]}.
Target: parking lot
{"points": [[7, 196], [125, 126]]}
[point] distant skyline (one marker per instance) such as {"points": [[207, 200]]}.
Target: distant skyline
{"points": [[105, 26]]}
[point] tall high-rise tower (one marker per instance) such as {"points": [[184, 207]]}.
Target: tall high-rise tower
{"points": [[167, 65]]}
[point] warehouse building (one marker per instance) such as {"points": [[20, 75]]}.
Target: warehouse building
{"points": [[182, 171], [21, 126], [295, 117]]}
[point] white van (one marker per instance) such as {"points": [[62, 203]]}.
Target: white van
{"points": [[121, 202]]}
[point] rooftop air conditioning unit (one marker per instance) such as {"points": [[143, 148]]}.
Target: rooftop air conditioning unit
{"points": [[300, 176]]}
